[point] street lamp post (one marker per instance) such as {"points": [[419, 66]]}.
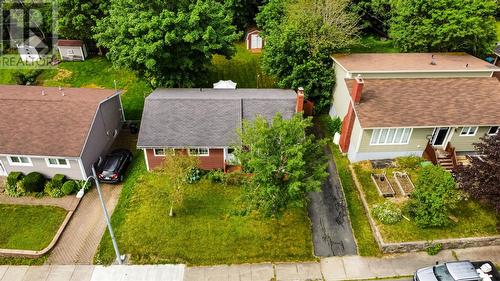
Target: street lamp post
{"points": [[119, 258]]}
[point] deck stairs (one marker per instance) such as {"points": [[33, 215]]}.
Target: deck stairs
{"points": [[444, 160]]}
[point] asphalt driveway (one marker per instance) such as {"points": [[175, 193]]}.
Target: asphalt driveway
{"points": [[332, 232]]}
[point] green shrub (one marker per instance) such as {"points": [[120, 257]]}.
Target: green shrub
{"points": [[69, 187], [409, 162], [334, 125], [434, 249], [54, 185], [216, 176], [193, 175], [235, 178], [34, 182], [435, 195], [26, 77], [11, 187], [387, 213]]}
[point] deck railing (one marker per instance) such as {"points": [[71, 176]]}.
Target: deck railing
{"points": [[430, 153], [453, 154]]}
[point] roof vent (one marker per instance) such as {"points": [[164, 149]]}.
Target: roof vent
{"points": [[225, 84], [433, 60]]}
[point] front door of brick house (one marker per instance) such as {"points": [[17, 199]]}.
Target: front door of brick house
{"points": [[3, 172]]}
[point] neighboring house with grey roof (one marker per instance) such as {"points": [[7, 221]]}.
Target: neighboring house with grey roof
{"points": [[56, 130], [204, 122], [431, 105]]}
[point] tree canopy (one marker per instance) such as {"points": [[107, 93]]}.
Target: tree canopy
{"points": [[300, 37], [170, 43], [286, 163], [481, 179], [76, 19], [444, 25], [244, 12]]}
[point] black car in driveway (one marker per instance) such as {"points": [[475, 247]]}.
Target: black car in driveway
{"points": [[112, 168]]}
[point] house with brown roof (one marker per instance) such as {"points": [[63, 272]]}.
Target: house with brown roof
{"points": [[72, 50], [204, 122], [56, 130], [431, 105]]}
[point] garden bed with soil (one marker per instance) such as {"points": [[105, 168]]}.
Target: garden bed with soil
{"points": [[471, 218]]}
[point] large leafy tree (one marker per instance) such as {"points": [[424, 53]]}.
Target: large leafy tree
{"points": [[300, 37], [435, 195], [375, 15], [444, 25], [77, 18], [169, 42], [481, 179], [286, 163], [244, 12]]}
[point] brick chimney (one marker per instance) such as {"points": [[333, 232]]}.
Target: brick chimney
{"points": [[299, 107], [357, 89]]}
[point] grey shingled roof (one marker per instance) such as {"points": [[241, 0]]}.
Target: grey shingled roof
{"points": [[207, 117]]}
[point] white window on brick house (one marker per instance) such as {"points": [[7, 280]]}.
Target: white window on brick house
{"points": [[163, 151], [200, 151]]}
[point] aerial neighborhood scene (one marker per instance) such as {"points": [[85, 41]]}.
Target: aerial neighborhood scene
{"points": [[260, 140]]}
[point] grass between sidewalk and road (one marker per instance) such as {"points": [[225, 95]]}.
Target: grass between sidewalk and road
{"points": [[473, 220], [27, 227], [205, 230], [367, 246]]}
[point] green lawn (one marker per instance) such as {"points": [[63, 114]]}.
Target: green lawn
{"points": [[367, 246], [205, 231], [29, 227], [370, 44], [98, 72], [473, 219], [498, 31], [243, 68]]}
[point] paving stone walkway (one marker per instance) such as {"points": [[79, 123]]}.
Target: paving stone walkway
{"points": [[82, 235]]}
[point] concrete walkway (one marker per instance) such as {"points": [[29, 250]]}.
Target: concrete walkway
{"points": [[329, 269], [82, 235]]}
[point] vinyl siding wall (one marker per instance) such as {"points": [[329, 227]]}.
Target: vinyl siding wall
{"points": [[40, 165], [107, 120], [341, 97], [465, 143]]}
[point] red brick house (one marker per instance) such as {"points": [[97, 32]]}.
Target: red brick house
{"points": [[204, 122]]}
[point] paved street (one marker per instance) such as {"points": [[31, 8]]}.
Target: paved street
{"points": [[329, 269], [82, 235]]}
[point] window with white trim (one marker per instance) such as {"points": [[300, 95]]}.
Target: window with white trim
{"points": [[391, 136], [468, 131], [493, 130], [163, 151], [19, 161], [200, 151], [57, 163]]}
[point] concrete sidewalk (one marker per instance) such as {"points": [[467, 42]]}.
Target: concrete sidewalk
{"points": [[329, 269]]}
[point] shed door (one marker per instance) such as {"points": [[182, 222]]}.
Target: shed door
{"points": [[256, 42]]}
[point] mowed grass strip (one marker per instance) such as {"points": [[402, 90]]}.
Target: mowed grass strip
{"points": [[205, 230], [27, 227]]}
